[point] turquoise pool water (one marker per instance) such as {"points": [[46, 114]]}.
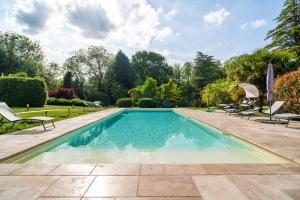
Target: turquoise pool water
{"points": [[149, 136]]}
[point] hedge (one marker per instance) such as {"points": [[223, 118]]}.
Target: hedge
{"points": [[124, 102], [18, 91], [147, 103], [287, 88], [64, 102]]}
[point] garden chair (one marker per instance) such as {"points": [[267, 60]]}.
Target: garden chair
{"points": [[249, 112], [286, 116], [274, 108], [11, 117]]}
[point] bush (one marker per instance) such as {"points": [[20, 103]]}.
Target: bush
{"points": [[64, 102], [17, 91], [65, 93], [287, 88], [147, 103], [124, 102]]}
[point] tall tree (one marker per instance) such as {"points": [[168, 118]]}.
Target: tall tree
{"points": [[151, 64], [51, 74], [67, 80], [122, 71], [20, 54], [286, 35], [187, 71], [205, 70]]}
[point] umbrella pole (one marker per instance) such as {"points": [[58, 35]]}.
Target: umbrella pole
{"points": [[270, 107]]}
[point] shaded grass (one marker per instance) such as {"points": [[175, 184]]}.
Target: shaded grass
{"points": [[57, 112]]}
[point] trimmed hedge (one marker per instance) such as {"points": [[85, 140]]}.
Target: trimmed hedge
{"points": [[17, 91], [124, 102], [147, 103], [64, 102]]}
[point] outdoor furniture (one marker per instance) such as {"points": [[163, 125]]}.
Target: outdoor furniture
{"points": [[274, 108], [271, 111], [286, 116], [9, 115], [249, 113]]}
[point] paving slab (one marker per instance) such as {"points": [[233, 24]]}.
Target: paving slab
{"points": [[115, 169]]}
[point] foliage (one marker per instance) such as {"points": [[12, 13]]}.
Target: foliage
{"points": [[150, 64], [286, 35], [65, 102], [122, 72], [287, 88], [125, 102], [92, 64], [149, 88], [51, 74], [19, 74], [135, 93], [169, 92], [147, 103], [66, 93], [20, 54], [252, 68], [67, 83], [216, 92], [16, 91]]}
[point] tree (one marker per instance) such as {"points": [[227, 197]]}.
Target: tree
{"points": [[150, 64], [20, 54], [89, 64], [67, 80], [122, 71], [187, 71], [169, 92], [51, 75], [206, 70], [286, 35], [148, 89], [252, 68], [177, 73]]}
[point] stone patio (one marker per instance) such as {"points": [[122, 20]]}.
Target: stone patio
{"points": [[155, 182]]}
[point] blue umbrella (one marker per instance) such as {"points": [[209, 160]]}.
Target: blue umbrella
{"points": [[270, 83]]}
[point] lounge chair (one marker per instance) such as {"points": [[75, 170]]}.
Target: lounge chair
{"points": [[274, 108], [11, 117], [286, 116], [249, 112]]}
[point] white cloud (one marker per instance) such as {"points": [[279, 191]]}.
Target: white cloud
{"points": [[258, 23], [71, 24], [254, 24], [172, 13], [215, 18], [164, 33]]}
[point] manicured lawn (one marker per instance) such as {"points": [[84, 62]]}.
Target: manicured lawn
{"points": [[58, 112]]}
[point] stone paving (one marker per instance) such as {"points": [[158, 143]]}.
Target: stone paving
{"points": [[155, 182]]}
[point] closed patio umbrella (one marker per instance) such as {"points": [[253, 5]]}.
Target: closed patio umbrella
{"points": [[270, 83]]}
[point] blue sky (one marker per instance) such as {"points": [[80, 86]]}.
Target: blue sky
{"points": [[176, 29]]}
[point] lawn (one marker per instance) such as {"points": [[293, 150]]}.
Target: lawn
{"points": [[57, 112]]}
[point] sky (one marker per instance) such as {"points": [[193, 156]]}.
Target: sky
{"points": [[175, 28]]}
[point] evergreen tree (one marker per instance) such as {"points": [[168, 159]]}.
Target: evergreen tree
{"points": [[122, 71], [67, 80], [286, 35]]}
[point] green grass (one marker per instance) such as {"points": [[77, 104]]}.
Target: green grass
{"points": [[59, 113]]}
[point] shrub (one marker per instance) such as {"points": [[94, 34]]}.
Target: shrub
{"points": [[287, 88], [66, 93], [64, 102], [147, 103], [124, 102], [17, 91]]}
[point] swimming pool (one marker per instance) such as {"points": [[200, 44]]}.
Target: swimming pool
{"points": [[148, 136]]}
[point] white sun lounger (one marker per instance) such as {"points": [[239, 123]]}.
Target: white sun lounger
{"points": [[9, 115]]}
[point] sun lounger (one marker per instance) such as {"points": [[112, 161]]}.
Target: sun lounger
{"points": [[271, 111], [286, 116], [249, 113], [11, 117]]}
